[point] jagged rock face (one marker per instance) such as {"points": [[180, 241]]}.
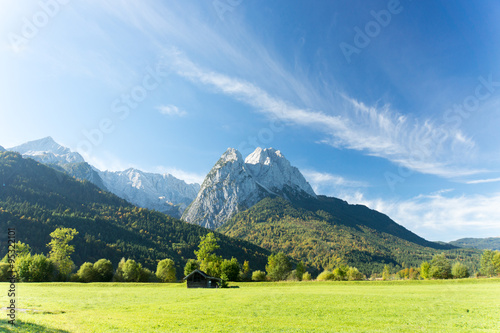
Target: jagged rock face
{"points": [[235, 184], [164, 193], [47, 151]]}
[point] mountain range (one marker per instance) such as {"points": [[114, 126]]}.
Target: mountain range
{"points": [[262, 200], [161, 192]]}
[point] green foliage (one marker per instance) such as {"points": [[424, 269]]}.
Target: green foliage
{"points": [[191, 265], [386, 274], [487, 266], [353, 274], [165, 271], [326, 275], [328, 231], [5, 273], [60, 250], [459, 271], [20, 250], [306, 276], [300, 270], [131, 271], [37, 268], [340, 273], [208, 260], [440, 267], [230, 270], [409, 273], [86, 273], [496, 262], [104, 270], [278, 266], [424, 270], [245, 271], [258, 276], [118, 277]]}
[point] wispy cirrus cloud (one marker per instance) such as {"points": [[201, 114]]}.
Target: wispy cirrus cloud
{"points": [[171, 110], [327, 183], [420, 146], [482, 181]]}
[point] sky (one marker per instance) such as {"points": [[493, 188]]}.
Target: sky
{"points": [[390, 104]]}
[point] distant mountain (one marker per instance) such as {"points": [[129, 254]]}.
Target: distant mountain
{"points": [[2, 149], [234, 185], [491, 243], [36, 199], [324, 232], [164, 193], [48, 151]]}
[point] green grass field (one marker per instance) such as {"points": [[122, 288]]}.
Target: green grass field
{"points": [[410, 306]]}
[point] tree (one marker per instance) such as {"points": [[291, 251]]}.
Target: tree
{"points": [[487, 267], [340, 273], [326, 275], [86, 273], [306, 276], [191, 265], [104, 270], [230, 270], [496, 262], [440, 267], [386, 273], [118, 277], [258, 276], [60, 250], [278, 266], [5, 272], [165, 271], [21, 249], [208, 260], [37, 268], [131, 271], [424, 270], [459, 271], [245, 271], [300, 270], [353, 274]]}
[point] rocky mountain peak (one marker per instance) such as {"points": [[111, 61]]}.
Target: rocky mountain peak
{"points": [[48, 151]]}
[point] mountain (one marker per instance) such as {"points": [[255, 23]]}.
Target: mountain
{"points": [[164, 193], [324, 232], [36, 199], [490, 243], [234, 185], [2, 149], [48, 151]]}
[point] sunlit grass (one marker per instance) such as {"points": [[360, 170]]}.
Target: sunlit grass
{"points": [[425, 306]]}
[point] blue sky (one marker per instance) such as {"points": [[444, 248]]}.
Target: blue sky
{"points": [[392, 104]]}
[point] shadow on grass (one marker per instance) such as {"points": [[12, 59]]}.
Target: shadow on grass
{"points": [[26, 328]]}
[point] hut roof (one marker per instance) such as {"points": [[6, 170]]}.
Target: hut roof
{"points": [[205, 275]]}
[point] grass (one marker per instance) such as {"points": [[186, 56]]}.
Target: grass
{"points": [[412, 306]]}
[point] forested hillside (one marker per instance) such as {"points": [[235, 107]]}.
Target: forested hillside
{"points": [[327, 231], [490, 243], [36, 199]]}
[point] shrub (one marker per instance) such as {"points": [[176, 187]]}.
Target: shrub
{"points": [[230, 270], [306, 276], [104, 270], [440, 267], [326, 275], [424, 270], [165, 271], [353, 274], [131, 271], [278, 266], [4, 271], [37, 268], [86, 273], [340, 273], [300, 270], [145, 275], [459, 271], [258, 276]]}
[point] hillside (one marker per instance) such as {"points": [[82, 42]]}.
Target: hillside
{"points": [[490, 243], [326, 231], [36, 199]]}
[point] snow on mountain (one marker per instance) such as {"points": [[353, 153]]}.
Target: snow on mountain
{"points": [[48, 151], [235, 184], [164, 193]]}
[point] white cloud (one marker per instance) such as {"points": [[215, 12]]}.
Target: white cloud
{"points": [[418, 146], [188, 177], [171, 110], [437, 217], [481, 181], [329, 184]]}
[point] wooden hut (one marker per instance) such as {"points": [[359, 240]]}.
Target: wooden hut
{"points": [[200, 279]]}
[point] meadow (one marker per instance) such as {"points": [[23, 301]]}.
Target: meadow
{"points": [[367, 306]]}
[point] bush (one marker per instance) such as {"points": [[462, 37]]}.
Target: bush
{"points": [[37, 268], [353, 274], [118, 277], [86, 273], [326, 275], [340, 273], [424, 270], [104, 270], [300, 270], [306, 276], [440, 267], [165, 271], [278, 266], [230, 270], [4, 271], [258, 276], [145, 275], [459, 271]]}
